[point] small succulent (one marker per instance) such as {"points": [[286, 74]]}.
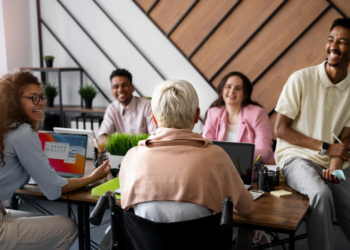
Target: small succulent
{"points": [[49, 57], [88, 92], [50, 90]]}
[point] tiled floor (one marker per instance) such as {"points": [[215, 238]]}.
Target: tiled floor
{"points": [[340, 242]]}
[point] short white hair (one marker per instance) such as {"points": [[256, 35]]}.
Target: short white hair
{"points": [[174, 104]]}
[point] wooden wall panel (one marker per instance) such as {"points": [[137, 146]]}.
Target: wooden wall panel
{"points": [[199, 23], [343, 5], [285, 26], [145, 4], [246, 18], [278, 33], [167, 13], [308, 51]]}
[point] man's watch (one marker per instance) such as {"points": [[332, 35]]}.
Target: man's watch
{"points": [[324, 148]]}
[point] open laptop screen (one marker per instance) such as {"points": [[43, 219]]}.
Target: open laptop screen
{"points": [[242, 156], [66, 153]]}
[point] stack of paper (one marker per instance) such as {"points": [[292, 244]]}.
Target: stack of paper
{"points": [[280, 193]]}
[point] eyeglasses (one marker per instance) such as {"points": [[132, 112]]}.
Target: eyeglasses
{"points": [[36, 98]]}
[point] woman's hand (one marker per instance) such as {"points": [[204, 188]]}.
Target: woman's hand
{"points": [[102, 171], [99, 173]]}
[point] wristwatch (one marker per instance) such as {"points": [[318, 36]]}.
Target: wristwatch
{"points": [[324, 148]]}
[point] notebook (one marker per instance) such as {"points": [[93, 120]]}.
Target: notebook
{"points": [[242, 156], [66, 153], [280, 193]]}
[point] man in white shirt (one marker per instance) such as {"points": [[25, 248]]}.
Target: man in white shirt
{"points": [[315, 102], [128, 114]]}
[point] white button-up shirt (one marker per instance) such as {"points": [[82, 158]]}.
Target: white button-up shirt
{"points": [[135, 118]]}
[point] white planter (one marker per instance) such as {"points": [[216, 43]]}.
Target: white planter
{"points": [[115, 160]]}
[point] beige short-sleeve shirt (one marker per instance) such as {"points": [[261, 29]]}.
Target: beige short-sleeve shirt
{"points": [[317, 107]]}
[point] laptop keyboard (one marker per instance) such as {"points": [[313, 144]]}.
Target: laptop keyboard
{"points": [[32, 181]]}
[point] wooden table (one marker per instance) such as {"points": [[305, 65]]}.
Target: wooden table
{"points": [[283, 215], [83, 199]]}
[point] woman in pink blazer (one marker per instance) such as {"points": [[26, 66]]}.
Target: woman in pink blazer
{"points": [[235, 117]]}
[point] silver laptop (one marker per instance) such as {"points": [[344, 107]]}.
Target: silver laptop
{"points": [[66, 153], [242, 156]]}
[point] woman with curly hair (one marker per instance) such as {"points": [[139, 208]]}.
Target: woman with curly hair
{"points": [[22, 106]]}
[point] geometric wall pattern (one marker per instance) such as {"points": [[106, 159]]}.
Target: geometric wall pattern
{"points": [[265, 40]]}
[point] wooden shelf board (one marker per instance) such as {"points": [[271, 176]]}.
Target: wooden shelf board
{"points": [[51, 69], [77, 109]]}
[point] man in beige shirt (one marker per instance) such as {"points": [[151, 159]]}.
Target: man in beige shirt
{"points": [[128, 114], [315, 102]]}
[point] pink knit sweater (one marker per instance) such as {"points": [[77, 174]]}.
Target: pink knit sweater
{"points": [[178, 165]]}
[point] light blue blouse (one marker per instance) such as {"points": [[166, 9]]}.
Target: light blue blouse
{"points": [[24, 156]]}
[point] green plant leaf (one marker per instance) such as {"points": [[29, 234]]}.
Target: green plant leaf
{"points": [[49, 57], [88, 92], [120, 143], [50, 90]]}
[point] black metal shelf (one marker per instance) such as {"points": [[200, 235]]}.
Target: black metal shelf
{"points": [[59, 70]]}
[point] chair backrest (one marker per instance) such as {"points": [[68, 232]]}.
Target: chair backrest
{"points": [[132, 232]]}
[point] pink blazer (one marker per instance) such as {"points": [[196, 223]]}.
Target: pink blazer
{"points": [[254, 127]]}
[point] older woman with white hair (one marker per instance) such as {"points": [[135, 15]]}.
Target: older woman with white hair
{"points": [[178, 175]]}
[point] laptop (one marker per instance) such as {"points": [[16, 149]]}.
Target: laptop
{"points": [[242, 156], [66, 153], [90, 133]]}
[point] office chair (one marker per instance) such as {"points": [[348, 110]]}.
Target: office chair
{"points": [[132, 232]]}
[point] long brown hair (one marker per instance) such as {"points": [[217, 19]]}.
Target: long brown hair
{"points": [[247, 91], [12, 115]]}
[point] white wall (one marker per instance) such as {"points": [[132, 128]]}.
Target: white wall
{"points": [[3, 60], [129, 17], [17, 30]]}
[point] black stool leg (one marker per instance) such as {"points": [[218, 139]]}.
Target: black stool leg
{"points": [[292, 241]]}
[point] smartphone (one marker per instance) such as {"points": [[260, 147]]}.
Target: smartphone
{"points": [[257, 193]]}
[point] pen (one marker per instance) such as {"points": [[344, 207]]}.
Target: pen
{"points": [[260, 161], [257, 159], [98, 159], [335, 136], [95, 141], [267, 185]]}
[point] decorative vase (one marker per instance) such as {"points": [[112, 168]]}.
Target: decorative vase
{"points": [[88, 103], [115, 160], [49, 63], [50, 102]]}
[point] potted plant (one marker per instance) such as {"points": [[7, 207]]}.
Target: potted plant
{"points": [[88, 93], [49, 61], [118, 145], [50, 92]]}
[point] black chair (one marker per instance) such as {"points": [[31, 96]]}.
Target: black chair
{"points": [[132, 232]]}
